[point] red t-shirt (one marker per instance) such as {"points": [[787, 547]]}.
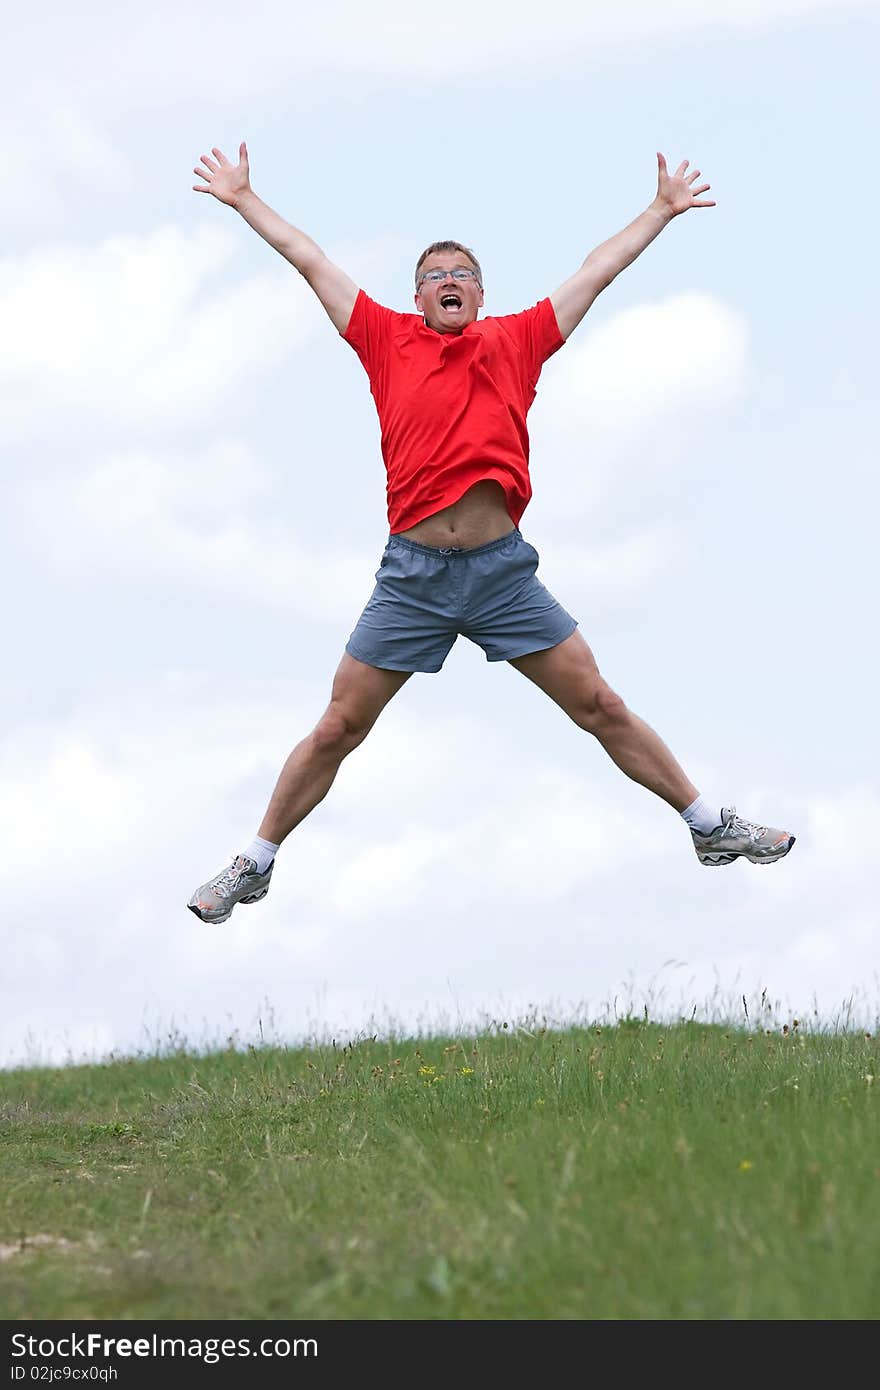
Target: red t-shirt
{"points": [[452, 406]]}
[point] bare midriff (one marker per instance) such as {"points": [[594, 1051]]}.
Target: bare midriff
{"points": [[477, 518]]}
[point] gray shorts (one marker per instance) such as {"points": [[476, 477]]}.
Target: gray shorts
{"points": [[425, 596]]}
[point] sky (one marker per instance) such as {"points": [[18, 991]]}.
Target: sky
{"points": [[195, 510]]}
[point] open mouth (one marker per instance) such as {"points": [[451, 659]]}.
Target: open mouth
{"points": [[450, 301]]}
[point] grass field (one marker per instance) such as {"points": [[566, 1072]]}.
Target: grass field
{"points": [[633, 1171]]}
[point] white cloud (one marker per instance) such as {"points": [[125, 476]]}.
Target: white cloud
{"points": [[806, 931], [627, 407], [142, 329], [450, 850], [360, 886], [169, 50], [56, 140], [604, 571], [142, 517], [650, 365], [71, 76]]}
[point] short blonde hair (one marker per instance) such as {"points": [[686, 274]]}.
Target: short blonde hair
{"points": [[449, 246]]}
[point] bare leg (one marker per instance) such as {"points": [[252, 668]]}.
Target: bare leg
{"points": [[569, 675], [359, 695]]}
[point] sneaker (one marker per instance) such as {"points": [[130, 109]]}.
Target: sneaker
{"points": [[736, 838], [240, 883]]}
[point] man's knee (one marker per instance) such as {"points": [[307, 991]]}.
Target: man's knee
{"points": [[339, 731], [601, 708]]}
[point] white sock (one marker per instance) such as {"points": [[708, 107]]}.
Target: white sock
{"points": [[700, 817], [263, 851]]}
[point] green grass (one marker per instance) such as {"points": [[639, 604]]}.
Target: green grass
{"points": [[633, 1171]]}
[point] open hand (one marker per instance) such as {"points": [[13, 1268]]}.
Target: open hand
{"points": [[677, 190], [226, 181]]}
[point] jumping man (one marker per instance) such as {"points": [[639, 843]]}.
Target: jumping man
{"points": [[452, 392]]}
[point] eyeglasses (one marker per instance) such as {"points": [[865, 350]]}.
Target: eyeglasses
{"points": [[435, 276]]}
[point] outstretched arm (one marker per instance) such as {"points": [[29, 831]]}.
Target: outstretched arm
{"points": [[675, 194], [231, 184]]}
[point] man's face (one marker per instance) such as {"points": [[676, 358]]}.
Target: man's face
{"points": [[448, 305]]}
